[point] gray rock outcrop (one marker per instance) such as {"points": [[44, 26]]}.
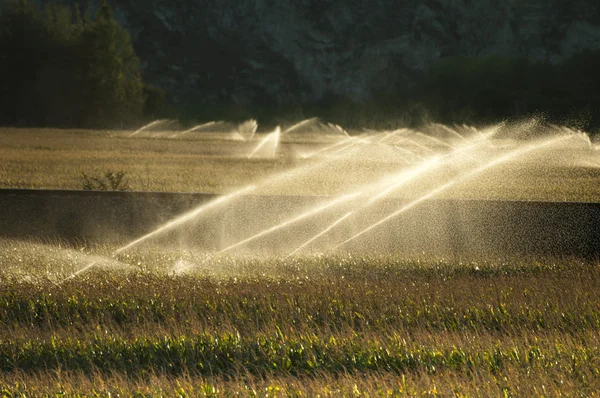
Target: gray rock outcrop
{"points": [[254, 51]]}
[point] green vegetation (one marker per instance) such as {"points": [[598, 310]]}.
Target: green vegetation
{"points": [[469, 90], [174, 321], [59, 68], [108, 181], [63, 67], [494, 88], [489, 89]]}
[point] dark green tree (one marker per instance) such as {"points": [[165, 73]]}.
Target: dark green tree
{"points": [[57, 97], [58, 68], [111, 80], [21, 49]]}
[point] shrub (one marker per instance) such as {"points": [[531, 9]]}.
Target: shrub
{"points": [[107, 181]]}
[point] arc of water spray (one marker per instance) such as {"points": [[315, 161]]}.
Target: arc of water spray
{"points": [[271, 137], [449, 130], [293, 173], [307, 214], [81, 271], [178, 221], [353, 145], [492, 130], [405, 177], [198, 127], [425, 147], [323, 232], [391, 134], [287, 223], [470, 174], [247, 129], [329, 147], [299, 124], [73, 275], [338, 128], [190, 215], [408, 152], [276, 141], [436, 140], [376, 138], [154, 123], [186, 217]]}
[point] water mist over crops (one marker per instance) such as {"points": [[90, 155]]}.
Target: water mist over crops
{"points": [[354, 192], [339, 192]]}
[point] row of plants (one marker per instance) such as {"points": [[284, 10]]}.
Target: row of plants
{"points": [[230, 355], [267, 326], [380, 384], [313, 293], [320, 308]]}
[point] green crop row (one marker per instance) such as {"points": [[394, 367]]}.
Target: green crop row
{"points": [[314, 326], [565, 301], [319, 312], [229, 354]]}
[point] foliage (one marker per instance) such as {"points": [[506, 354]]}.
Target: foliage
{"points": [[155, 100], [474, 90], [494, 88], [19, 59], [301, 324], [61, 69], [108, 181]]}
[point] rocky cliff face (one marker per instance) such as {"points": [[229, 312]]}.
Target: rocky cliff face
{"points": [[253, 51]]}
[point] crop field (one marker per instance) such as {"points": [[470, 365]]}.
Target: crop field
{"points": [[146, 318], [177, 322], [202, 162]]}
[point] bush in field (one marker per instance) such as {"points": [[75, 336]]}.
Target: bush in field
{"points": [[59, 69], [108, 181]]}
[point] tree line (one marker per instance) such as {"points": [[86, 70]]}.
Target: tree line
{"points": [[493, 88], [66, 67], [472, 90]]}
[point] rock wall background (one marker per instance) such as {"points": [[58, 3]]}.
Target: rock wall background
{"points": [[287, 51]]}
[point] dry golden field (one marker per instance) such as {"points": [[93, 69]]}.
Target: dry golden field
{"points": [[55, 159], [216, 163]]}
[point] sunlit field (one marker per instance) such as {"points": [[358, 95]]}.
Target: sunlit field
{"points": [[291, 303], [220, 160], [174, 322]]}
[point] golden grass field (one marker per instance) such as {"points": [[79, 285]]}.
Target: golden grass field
{"points": [[156, 321], [55, 159]]}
